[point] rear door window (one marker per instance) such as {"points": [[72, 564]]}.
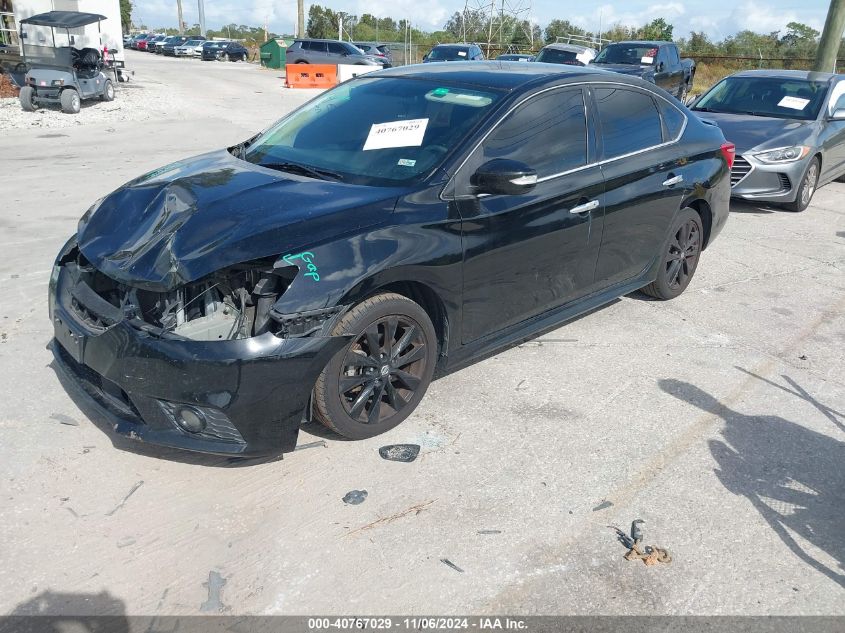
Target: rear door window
{"points": [[336, 48], [629, 121]]}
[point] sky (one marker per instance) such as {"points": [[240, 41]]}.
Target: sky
{"points": [[718, 18]]}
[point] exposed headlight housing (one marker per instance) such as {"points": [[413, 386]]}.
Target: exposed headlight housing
{"points": [[783, 154]]}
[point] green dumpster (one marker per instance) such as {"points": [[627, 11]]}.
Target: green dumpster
{"points": [[273, 53]]}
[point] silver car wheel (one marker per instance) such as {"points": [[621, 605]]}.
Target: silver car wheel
{"points": [[810, 181]]}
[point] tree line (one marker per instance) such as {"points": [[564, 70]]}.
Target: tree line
{"points": [[504, 31]]}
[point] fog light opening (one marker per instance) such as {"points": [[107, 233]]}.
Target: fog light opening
{"points": [[190, 420]]}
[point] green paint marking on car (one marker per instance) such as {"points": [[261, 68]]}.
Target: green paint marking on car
{"points": [[308, 258]]}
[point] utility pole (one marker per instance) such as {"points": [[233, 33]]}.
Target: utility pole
{"points": [[201, 11], [831, 37], [181, 24], [300, 18]]}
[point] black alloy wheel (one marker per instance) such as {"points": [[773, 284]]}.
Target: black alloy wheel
{"points": [[379, 378], [680, 258]]}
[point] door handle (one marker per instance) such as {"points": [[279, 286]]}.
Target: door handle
{"points": [[673, 181], [584, 208]]}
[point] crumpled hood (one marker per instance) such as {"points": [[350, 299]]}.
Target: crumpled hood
{"points": [[624, 69], [749, 132], [189, 219]]}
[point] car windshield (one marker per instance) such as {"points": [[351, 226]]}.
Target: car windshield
{"points": [[557, 56], [448, 53], [637, 54], [778, 97], [375, 131], [192, 42]]}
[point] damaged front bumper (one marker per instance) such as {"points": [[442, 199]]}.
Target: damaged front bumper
{"points": [[234, 397]]}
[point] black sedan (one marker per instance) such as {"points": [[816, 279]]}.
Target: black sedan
{"points": [[402, 224], [224, 51]]}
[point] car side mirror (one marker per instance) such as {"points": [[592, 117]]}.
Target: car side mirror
{"points": [[838, 115], [72, 40], [505, 177], [659, 67]]}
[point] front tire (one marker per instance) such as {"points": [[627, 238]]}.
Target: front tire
{"points": [[379, 378], [70, 102], [27, 99], [108, 91], [807, 188], [680, 258]]}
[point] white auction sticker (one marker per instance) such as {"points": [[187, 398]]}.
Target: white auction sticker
{"points": [[396, 134], [647, 60], [462, 53], [793, 103], [406, 162]]}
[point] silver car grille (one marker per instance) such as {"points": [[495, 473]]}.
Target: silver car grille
{"points": [[740, 170]]}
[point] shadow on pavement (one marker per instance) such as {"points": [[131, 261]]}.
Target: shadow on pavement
{"points": [[759, 209], [794, 477], [61, 612]]}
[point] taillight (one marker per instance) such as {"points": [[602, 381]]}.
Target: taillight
{"points": [[729, 152]]}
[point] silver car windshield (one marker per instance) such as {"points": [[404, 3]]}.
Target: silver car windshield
{"points": [[777, 97]]}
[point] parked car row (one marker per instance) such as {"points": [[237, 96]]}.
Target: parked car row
{"points": [[188, 46]]}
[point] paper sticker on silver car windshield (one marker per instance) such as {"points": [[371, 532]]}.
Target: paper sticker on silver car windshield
{"points": [[396, 134], [793, 103]]}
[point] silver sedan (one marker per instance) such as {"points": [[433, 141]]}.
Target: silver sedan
{"points": [[789, 130]]}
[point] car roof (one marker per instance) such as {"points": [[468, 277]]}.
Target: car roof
{"points": [[789, 74], [502, 75], [317, 39], [569, 47], [454, 45]]}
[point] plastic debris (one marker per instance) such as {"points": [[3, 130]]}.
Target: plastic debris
{"points": [[215, 584], [400, 452], [604, 505], [489, 531], [354, 497]]}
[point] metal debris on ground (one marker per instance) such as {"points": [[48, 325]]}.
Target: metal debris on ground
{"points": [[354, 497], [489, 531], [636, 550], [215, 584], [400, 452], [449, 563]]}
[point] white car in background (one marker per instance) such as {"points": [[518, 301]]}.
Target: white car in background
{"points": [[188, 49]]}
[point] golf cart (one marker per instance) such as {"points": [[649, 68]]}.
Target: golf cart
{"points": [[62, 74]]}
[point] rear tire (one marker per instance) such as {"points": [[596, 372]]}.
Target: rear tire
{"points": [[108, 91], [70, 102], [27, 99], [807, 188], [680, 259], [379, 378]]}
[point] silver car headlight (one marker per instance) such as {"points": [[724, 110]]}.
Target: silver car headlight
{"points": [[783, 154]]}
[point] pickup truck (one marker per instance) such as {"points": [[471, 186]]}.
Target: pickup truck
{"points": [[657, 62]]}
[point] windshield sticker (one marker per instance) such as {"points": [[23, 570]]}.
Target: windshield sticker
{"points": [[793, 103], [308, 259], [396, 134], [462, 53], [648, 59], [406, 162]]}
